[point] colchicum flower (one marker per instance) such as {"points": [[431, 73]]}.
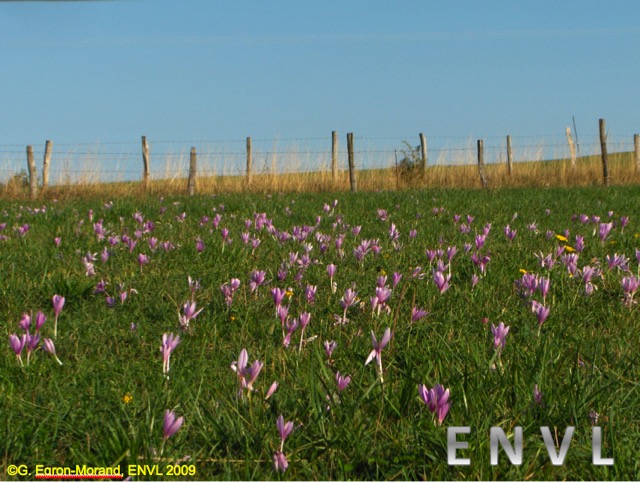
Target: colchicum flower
{"points": [[436, 399], [499, 335], [171, 424], [169, 343], [58, 304], [377, 350]]}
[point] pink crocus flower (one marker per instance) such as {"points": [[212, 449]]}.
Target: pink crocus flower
{"points": [[171, 424], [349, 298], [377, 349], [17, 345], [537, 394], [499, 335], [342, 381], [49, 347], [58, 304], [436, 399], [541, 311], [280, 462], [291, 326], [603, 230], [418, 313], [285, 429], [441, 282], [331, 271], [509, 233], [169, 343], [329, 346], [272, 390], [143, 259], [278, 295], [246, 374]]}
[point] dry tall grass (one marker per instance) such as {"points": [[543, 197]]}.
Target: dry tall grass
{"points": [[557, 173]]}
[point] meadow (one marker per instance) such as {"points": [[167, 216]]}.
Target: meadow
{"points": [[370, 322]]}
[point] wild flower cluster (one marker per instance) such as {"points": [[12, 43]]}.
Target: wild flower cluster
{"points": [[311, 286]]}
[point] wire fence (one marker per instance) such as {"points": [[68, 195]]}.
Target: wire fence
{"points": [[103, 162]]}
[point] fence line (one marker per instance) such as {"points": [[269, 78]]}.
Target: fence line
{"points": [[66, 162]]}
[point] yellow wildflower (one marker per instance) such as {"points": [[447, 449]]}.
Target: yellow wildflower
{"points": [[569, 249], [560, 237], [523, 271], [128, 398]]}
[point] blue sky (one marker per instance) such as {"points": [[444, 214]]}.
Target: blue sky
{"points": [[111, 71]]}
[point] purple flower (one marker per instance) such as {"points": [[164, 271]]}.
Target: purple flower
{"points": [[272, 390], [509, 233], [171, 424], [379, 301], [169, 343], [377, 349], [246, 375], [189, 313], [329, 346], [499, 335], [540, 311], [537, 394], [436, 399], [630, 285], [25, 321], [603, 230], [543, 286], [441, 281], [40, 319], [58, 304], [280, 462], [284, 429], [49, 347], [417, 313], [17, 344], [342, 381], [278, 296], [291, 326], [256, 279]]}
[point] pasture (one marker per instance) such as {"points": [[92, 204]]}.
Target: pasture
{"points": [[301, 281]]}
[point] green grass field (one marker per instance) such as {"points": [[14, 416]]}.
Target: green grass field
{"points": [[105, 405]]}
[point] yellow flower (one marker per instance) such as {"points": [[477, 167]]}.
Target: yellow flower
{"points": [[560, 237], [569, 249], [289, 292], [128, 398], [523, 271], [233, 318], [383, 272]]}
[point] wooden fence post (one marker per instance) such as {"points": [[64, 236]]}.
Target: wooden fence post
{"points": [[423, 152], [603, 147], [249, 160], [33, 177], [636, 150], [48, 146], [483, 176], [572, 148], [509, 155], [191, 186], [352, 167], [145, 163], [334, 155]]}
